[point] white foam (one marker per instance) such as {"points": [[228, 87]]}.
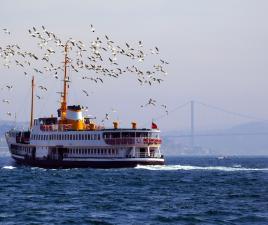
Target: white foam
{"points": [[8, 167], [189, 167]]}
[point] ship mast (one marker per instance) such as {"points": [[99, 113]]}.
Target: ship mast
{"points": [[65, 80], [32, 104]]}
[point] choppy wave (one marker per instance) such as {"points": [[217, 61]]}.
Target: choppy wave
{"points": [[189, 167], [8, 167], [195, 192]]}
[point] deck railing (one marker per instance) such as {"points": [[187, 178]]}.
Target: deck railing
{"points": [[65, 127], [132, 141], [120, 141]]}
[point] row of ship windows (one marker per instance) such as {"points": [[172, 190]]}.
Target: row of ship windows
{"points": [[83, 151], [66, 137], [18, 149], [93, 151]]}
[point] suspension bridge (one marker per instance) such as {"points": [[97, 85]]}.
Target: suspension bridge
{"points": [[192, 134]]}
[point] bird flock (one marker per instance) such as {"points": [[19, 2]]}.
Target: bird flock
{"points": [[94, 61], [153, 102]]}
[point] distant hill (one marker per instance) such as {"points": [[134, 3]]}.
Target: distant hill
{"points": [[226, 144]]}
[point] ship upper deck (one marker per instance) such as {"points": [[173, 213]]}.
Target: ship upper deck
{"points": [[52, 125]]}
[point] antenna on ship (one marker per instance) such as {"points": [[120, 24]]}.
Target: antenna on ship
{"points": [[32, 104], [65, 80]]}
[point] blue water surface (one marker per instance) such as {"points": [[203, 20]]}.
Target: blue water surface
{"points": [[188, 190]]}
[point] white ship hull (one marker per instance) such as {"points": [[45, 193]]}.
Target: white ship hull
{"points": [[108, 148]]}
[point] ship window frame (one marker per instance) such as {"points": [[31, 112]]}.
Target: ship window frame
{"points": [[115, 135], [125, 134]]}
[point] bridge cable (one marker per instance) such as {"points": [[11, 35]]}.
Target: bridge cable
{"points": [[230, 112]]}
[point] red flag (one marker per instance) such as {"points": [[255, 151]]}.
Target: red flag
{"points": [[154, 125]]}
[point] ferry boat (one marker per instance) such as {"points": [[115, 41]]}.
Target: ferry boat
{"points": [[71, 140]]}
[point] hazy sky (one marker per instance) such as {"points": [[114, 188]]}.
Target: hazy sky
{"points": [[218, 54]]}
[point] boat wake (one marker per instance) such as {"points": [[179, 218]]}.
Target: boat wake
{"points": [[8, 167], [189, 167]]}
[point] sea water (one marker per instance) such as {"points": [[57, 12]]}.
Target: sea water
{"points": [[188, 190]]}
